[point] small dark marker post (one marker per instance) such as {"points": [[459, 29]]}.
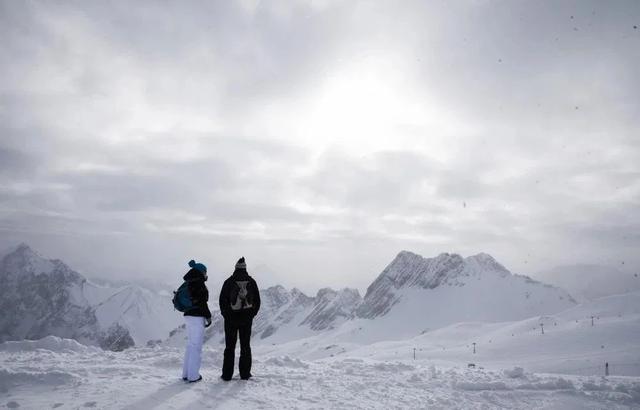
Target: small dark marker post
{"points": [[414, 353], [474, 347], [542, 327], [606, 369], [591, 320]]}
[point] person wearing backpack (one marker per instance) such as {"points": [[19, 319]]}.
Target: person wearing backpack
{"points": [[239, 304], [191, 298]]}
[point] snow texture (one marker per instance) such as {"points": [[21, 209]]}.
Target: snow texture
{"points": [[145, 378]]}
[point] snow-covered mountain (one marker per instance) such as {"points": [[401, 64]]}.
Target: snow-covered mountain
{"points": [[289, 314], [588, 282], [148, 315], [42, 297], [415, 294], [412, 295]]}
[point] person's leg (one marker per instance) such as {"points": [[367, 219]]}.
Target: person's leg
{"points": [[230, 338], [196, 337], [245, 350], [187, 350]]}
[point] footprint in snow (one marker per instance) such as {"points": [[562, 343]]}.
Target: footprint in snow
{"points": [[90, 404], [56, 405], [13, 405]]}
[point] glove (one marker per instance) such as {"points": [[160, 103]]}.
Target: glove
{"points": [[207, 322]]}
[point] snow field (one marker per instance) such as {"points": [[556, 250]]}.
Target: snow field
{"points": [[570, 344], [54, 376]]}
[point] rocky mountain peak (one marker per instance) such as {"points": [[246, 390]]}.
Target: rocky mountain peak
{"points": [[24, 257], [42, 297], [276, 295], [331, 307], [326, 293], [24, 261], [410, 270]]}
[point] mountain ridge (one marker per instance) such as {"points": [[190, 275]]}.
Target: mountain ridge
{"points": [[410, 283], [42, 297]]}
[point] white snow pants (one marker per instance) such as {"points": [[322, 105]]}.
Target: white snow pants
{"points": [[195, 338]]}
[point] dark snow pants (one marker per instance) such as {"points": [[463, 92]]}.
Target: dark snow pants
{"points": [[231, 330]]}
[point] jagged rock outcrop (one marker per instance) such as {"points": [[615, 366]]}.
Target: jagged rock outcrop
{"points": [[332, 307], [116, 338]]}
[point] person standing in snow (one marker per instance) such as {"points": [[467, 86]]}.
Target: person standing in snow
{"points": [[239, 304], [196, 319]]}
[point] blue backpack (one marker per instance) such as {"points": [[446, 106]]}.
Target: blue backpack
{"points": [[181, 298]]}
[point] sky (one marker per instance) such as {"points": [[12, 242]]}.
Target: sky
{"points": [[319, 138]]}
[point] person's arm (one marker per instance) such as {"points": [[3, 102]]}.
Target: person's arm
{"points": [[256, 302], [205, 304], [224, 300]]}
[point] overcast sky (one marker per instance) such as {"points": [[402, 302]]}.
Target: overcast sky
{"points": [[318, 139]]}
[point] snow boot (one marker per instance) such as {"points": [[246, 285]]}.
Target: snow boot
{"points": [[195, 381]]}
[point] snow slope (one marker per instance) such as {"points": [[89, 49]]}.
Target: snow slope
{"points": [[569, 345]]}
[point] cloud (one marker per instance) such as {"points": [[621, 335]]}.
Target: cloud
{"points": [[323, 135]]}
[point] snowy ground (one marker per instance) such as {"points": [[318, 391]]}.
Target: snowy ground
{"points": [[346, 368], [55, 373]]}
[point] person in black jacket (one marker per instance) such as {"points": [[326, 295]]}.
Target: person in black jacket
{"points": [[196, 319], [239, 304]]}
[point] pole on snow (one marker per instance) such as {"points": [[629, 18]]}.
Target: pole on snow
{"points": [[606, 369], [542, 327], [414, 353], [474, 347], [591, 320]]}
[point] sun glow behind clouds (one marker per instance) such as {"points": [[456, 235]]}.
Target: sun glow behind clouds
{"points": [[358, 106], [364, 106]]}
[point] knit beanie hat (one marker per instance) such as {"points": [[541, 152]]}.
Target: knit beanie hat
{"points": [[198, 266], [241, 264]]}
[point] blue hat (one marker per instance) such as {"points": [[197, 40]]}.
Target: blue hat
{"points": [[198, 266]]}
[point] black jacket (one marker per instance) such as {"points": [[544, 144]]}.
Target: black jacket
{"points": [[229, 289], [198, 292]]}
